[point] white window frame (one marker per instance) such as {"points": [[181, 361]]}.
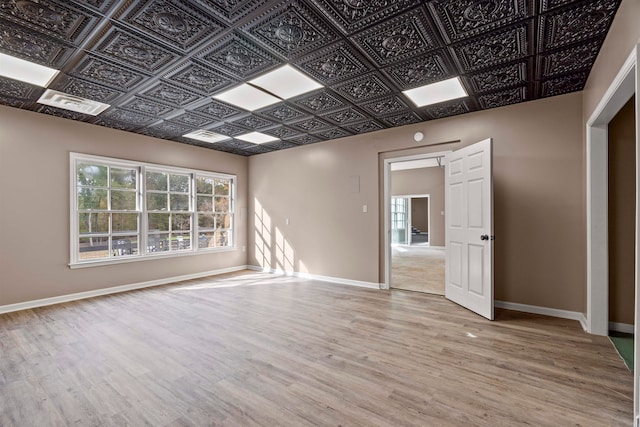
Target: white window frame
{"points": [[143, 253]]}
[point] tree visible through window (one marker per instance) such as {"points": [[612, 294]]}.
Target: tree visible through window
{"points": [[169, 211], [126, 209], [214, 211], [108, 211]]}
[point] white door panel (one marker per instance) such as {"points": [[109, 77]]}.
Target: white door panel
{"points": [[469, 228]]}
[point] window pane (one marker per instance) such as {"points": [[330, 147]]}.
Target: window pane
{"points": [[157, 201], [206, 240], [181, 241], [223, 220], [222, 238], [91, 198], [204, 185], [158, 222], [110, 217], [93, 223], [181, 222], [179, 202], [124, 223], [123, 178], [93, 247], [221, 203], [158, 243], [157, 181], [222, 187], [123, 200], [180, 183], [124, 245], [205, 203], [92, 175], [206, 221]]}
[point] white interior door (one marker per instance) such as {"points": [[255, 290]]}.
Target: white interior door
{"points": [[469, 228]]}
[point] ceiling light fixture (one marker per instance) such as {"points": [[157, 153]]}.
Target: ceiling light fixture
{"points": [[65, 101], [434, 93], [206, 136], [286, 82], [247, 97], [25, 71], [256, 138]]}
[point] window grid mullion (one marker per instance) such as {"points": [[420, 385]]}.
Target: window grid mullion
{"points": [[177, 225]]}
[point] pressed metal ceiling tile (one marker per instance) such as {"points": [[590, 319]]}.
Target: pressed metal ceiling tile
{"points": [[158, 63], [199, 78], [239, 57], [107, 73], [461, 19], [175, 22]]}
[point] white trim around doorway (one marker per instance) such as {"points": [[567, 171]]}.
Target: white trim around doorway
{"points": [[619, 92], [387, 207]]}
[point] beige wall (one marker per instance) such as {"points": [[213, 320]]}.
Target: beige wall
{"points": [[34, 167], [539, 246], [424, 181], [622, 215], [623, 35]]}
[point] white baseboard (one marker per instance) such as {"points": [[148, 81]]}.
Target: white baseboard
{"points": [[621, 327], [554, 312], [362, 284], [113, 290]]}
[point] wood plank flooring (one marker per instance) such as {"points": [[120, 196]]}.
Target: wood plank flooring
{"points": [[418, 268], [258, 350]]}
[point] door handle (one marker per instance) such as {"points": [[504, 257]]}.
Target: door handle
{"points": [[484, 237]]}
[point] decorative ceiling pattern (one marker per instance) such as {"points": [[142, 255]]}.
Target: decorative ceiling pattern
{"points": [[159, 62]]}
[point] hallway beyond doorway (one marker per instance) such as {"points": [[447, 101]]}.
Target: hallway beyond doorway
{"points": [[418, 268]]}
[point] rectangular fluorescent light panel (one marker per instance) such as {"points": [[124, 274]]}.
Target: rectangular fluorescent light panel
{"points": [[256, 138], [286, 82], [444, 90], [247, 97], [25, 71], [72, 102], [206, 136]]}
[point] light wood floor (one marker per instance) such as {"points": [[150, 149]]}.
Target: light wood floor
{"points": [[257, 350], [418, 268]]}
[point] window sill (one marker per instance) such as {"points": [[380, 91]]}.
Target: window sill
{"points": [[149, 257]]}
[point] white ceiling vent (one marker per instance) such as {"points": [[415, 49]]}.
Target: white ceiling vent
{"points": [[71, 102], [206, 136]]}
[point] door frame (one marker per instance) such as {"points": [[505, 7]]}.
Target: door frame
{"points": [[623, 86], [619, 92], [386, 217]]}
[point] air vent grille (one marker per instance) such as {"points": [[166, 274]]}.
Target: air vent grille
{"points": [[206, 136], [65, 101]]}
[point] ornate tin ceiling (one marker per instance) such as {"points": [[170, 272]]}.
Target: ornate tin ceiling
{"points": [[158, 62]]}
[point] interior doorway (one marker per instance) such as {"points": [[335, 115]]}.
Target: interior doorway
{"points": [[621, 153], [417, 255], [622, 88]]}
